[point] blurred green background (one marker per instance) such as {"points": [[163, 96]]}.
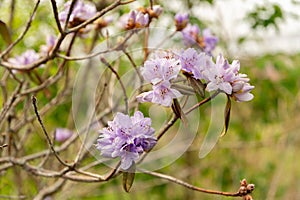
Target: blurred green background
{"points": [[263, 141]]}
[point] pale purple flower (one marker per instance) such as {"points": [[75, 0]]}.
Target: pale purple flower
{"points": [[162, 94], [242, 91], [210, 41], [81, 12], [220, 76], [181, 21], [190, 34], [62, 134], [131, 17], [194, 63], [28, 57], [127, 138], [160, 69], [241, 88]]}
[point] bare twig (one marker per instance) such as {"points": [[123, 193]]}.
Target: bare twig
{"points": [[73, 2], [46, 133], [151, 4], [55, 12], [202, 102], [134, 66], [98, 15], [192, 187]]}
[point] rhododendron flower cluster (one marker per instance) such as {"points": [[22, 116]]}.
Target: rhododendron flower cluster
{"points": [[220, 76], [226, 77], [127, 138]]}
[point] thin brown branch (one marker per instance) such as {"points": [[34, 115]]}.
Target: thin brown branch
{"points": [[202, 102], [98, 15], [189, 186], [127, 2], [151, 4], [134, 65], [55, 12], [69, 14], [167, 126], [46, 133]]}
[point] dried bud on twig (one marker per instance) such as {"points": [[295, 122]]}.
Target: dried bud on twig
{"points": [[246, 189]]}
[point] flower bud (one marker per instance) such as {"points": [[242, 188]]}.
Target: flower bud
{"points": [[155, 12], [142, 20], [243, 182], [181, 21], [250, 187]]}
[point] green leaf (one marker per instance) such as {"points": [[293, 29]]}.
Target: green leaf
{"points": [[128, 178], [226, 116], [4, 32]]}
